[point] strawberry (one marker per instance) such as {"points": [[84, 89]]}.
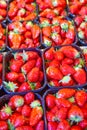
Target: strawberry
{"points": [[26, 110], [65, 93], [3, 125], [40, 125], [36, 115], [67, 61], [35, 31], [50, 101], [52, 125], [5, 112], [67, 69], [61, 102], [33, 75], [24, 128], [76, 127], [54, 73], [54, 63], [81, 97], [62, 125], [75, 114], [70, 52], [24, 87], [12, 76], [59, 55], [16, 101], [29, 97], [49, 54], [46, 31], [80, 75]]}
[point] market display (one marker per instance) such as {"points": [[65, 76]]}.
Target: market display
{"points": [[66, 109], [22, 112], [43, 64]]}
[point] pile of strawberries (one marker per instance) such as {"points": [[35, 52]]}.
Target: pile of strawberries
{"points": [[59, 31], [66, 109], [23, 35], [64, 67], [22, 113], [24, 71], [3, 10], [25, 10]]}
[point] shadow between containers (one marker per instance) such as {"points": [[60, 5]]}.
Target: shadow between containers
{"points": [[75, 40], [74, 86], [5, 61], [4, 99]]}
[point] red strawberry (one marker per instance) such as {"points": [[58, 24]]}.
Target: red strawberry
{"points": [[67, 69], [24, 87], [47, 31], [62, 125], [26, 110], [76, 127], [50, 101], [80, 76], [5, 112], [70, 52], [59, 55], [65, 93], [54, 73], [81, 97], [16, 101], [49, 54], [52, 125], [24, 128], [3, 125], [12, 76], [54, 63], [29, 97], [61, 102], [67, 61], [75, 114], [33, 75], [40, 125]]}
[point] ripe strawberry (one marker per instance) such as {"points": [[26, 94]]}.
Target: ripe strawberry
{"points": [[75, 114], [29, 97], [54, 63], [16, 101], [5, 112], [46, 31], [33, 75], [83, 124], [24, 128], [81, 97], [67, 61], [61, 102], [36, 115], [65, 93], [12, 76], [24, 87], [70, 52], [49, 54], [26, 110], [28, 66], [52, 125], [50, 101], [62, 125], [54, 73], [75, 127], [40, 125], [80, 76], [67, 69], [59, 55], [3, 125], [51, 117]]}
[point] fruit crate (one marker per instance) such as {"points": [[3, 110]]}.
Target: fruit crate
{"points": [[35, 97], [39, 85], [52, 61]]}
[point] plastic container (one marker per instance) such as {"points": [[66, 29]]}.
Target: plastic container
{"points": [[75, 40], [7, 59], [9, 20], [5, 98], [11, 49], [53, 91], [81, 55]]}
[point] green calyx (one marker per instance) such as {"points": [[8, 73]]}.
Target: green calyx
{"points": [[71, 99], [20, 102], [7, 109], [45, 23], [54, 3], [10, 125], [81, 34], [76, 118], [47, 42], [32, 85], [16, 31], [54, 35], [64, 27], [65, 79], [24, 56], [22, 10], [85, 18], [30, 24], [10, 86], [35, 103]]}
